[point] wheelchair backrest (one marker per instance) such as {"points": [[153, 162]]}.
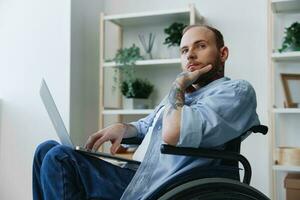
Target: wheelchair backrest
{"points": [[234, 145]]}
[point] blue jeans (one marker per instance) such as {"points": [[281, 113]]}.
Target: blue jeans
{"points": [[60, 173]]}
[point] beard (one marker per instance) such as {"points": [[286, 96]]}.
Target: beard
{"points": [[216, 72]]}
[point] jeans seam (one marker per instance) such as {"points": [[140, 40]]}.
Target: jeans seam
{"points": [[63, 181], [73, 163]]}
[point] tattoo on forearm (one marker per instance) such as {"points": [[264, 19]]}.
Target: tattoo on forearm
{"points": [[175, 98], [185, 74]]}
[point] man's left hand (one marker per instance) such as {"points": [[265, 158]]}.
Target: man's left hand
{"points": [[186, 79]]}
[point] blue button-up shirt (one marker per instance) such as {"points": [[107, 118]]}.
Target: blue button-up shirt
{"points": [[211, 116]]}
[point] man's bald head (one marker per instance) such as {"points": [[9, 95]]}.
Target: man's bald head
{"points": [[218, 35]]}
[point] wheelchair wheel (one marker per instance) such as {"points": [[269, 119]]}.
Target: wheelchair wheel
{"points": [[213, 189]]}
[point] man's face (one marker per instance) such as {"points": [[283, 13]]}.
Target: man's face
{"points": [[198, 49]]}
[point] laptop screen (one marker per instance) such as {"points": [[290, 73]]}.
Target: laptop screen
{"points": [[54, 115]]}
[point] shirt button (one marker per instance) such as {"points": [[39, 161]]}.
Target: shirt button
{"points": [[158, 128]]}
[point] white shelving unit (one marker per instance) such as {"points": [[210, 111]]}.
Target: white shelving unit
{"points": [[286, 168], [281, 13], [127, 112], [122, 30], [153, 17], [286, 110], [161, 62], [285, 6], [286, 56]]}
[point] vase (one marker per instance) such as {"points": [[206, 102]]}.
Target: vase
{"points": [[136, 103]]}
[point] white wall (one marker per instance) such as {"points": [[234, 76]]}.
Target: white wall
{"points": [[244, 26], [84, 105], [35, 41]]}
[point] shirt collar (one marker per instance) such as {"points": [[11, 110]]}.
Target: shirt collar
{"points": [[210, 85]]}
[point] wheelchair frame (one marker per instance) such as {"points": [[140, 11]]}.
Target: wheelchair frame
{"points": [[215, 187]]}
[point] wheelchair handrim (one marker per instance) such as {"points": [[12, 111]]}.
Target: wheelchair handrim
{"points": [[214, 189]]}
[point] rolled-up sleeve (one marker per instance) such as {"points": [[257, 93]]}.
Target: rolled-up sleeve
{"points": [[222, 115], [142, 125]]}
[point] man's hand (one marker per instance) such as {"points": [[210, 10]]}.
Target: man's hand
{"points": [[172, 113], [113, 133], [186, 79]]}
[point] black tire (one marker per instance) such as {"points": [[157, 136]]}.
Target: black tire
{"points": [[214, 189]]}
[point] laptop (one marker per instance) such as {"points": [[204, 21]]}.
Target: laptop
{"points": [[62, 132]]}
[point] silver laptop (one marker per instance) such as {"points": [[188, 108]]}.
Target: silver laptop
{"points": [[61, 130]]}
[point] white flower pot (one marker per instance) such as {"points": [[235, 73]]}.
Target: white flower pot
{"points": [[134, 103]]}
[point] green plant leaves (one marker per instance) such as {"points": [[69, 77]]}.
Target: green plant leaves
{"points": [[137, 88], [292, 38], [174, 32], [128, 56], [132, 87]]}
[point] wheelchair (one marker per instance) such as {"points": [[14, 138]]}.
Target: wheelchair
{"points": [[219, 183]]}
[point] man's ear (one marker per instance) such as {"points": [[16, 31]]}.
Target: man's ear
{"points": [[224, 52]]}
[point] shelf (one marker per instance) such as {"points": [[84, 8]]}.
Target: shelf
{"points": [[286, 168], [151, 17], [285, 6], [286, 110], [128, 112], [121, 27], [287, 56], [161, 62]]}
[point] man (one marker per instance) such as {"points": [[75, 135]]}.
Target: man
{"points": [[203, 109]]}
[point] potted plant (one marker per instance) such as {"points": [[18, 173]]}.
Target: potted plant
{"points": [[125, 59], [136, 91], [128, 56], [174, 34], [291, 40]]}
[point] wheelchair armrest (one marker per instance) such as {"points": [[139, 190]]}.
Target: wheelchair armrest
{"points": [[210, 153], [132, 140], [259, 129]]}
